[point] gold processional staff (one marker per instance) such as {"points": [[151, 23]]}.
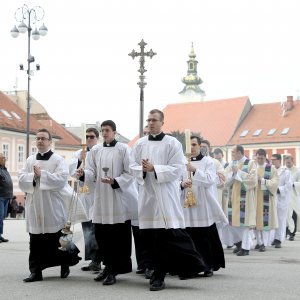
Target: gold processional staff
{"points": [[190, 199]]}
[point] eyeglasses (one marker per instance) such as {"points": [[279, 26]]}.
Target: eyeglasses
{"points": [[41, 139], [90, 137], [194, 144], [152, 120]]}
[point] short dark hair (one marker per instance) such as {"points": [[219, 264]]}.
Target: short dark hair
{"points": [[261, 152], [277, 156], [218, 151], [240, 148], [206, 142], [288, 156], [109, 123], [45, 130], [197, 138], [92, 129], [154, 111]]}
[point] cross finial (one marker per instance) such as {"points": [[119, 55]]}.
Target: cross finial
{"points": [[142, 55]]}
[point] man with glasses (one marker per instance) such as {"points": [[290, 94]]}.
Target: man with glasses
{"points": [[6, 193], [92, 251], [157, 163], [202, 219], [44, 180]]}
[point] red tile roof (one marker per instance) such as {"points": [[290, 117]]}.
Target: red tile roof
{"points": [[13, 123], [269, 116], [215, 120]]}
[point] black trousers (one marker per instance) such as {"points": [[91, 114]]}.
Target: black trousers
{"points": [[171, 250], [140, 252], [44, 252], [115, 242], [208, 244], [92, 251], [294, 216]]}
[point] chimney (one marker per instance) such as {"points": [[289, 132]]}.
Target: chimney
{"points": [[289, 103]]}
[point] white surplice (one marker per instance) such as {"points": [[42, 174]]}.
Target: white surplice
{"points": [[208, 210], [111, 206], [294, 199], [46, 203], [219, 182], [285, 186], [159, 197]]}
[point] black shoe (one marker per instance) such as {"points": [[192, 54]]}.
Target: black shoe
{"points": [[278, 245], [109, 280], [3, 240], [157, 285], [148, 273], [229, 247], [262, 248], [208, 273], [140, 271], [93, 266], [291, 238], [273, 243], [238, 247], [243, 252], [257, 246], [101, 276], [34, 277], [64, 271]]}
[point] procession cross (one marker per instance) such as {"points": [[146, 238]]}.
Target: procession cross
{"points": [[142, 54]]}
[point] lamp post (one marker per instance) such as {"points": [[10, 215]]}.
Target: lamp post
{"points": [[142, 83], [26, 18]]}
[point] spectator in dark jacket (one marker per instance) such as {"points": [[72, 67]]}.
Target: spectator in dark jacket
{"points": [[6, 193]]}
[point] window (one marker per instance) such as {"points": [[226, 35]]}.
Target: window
{"points": [[20, 154], [33, 150], [6, 114], [257, 132], [272, 131], [244, 133], [5, 150], [16, 115], [285, 130]]}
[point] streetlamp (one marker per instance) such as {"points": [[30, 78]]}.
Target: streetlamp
{"points": [[26, 18], [142, 83]]}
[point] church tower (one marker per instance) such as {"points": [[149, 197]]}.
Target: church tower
{"points": [[192, 91]]}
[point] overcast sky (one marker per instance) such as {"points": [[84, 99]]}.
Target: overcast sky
{"points": [[244, 48]]}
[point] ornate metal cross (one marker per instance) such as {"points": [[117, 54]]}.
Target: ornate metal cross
{"points": [[142, 54]]}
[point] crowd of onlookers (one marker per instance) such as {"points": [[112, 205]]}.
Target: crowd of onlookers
{"points": [[15, 210]]}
